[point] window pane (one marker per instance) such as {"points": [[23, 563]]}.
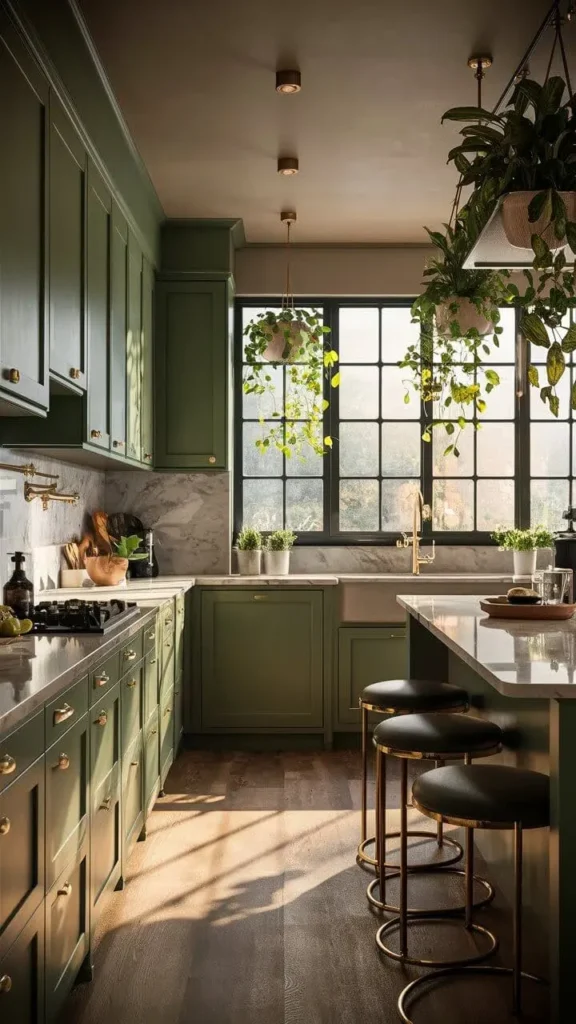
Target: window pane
{"points": [[548, 500], [549, 449], [495, 449], [393, 390], [358, 449], [308, 463], [263, 504], [358, 393], [250, 313], [257, 463], [358, 335], [301, 401], [540, 410], [494, 504], [505, 351], [255, 406], [398, 332], [452, 465], [401, 449], [397, 504], [359, 507], [500, 402], [304, 505], [453, 505]]}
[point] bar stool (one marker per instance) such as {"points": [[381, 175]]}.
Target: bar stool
{"points": [[401, 697], [487, 797], [429, 737]]}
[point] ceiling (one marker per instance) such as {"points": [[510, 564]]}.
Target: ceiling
{"points": [[195, 82]]}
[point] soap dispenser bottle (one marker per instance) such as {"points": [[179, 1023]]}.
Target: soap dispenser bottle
{"points": [[19, 591]]}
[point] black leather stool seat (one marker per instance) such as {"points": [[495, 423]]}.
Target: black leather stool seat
{"points": [[438, 735], [397, 695], [493, 794]]}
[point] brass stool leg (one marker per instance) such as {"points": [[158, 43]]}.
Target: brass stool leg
{"points": [[517, 923], [440, 825], [364, 825], [403, 857], [469, 879], [381, 769], [378, 844]]}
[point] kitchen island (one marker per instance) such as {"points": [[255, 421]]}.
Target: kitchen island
{"points": [[521, 675]]}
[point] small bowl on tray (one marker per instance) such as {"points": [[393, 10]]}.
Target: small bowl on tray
{"points": [[502, 607]]}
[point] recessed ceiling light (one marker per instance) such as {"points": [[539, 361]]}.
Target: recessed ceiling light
{"points": [[288, 165], [288, 81]]}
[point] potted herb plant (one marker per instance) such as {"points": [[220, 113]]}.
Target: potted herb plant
{"points": [[277, 552], [249, 551], [110, 570], [524, 544]]}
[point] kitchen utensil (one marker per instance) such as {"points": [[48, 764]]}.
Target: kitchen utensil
{"points": [[500, 608], [101, 535], [106, 570], [71, 555], [85, 547]]}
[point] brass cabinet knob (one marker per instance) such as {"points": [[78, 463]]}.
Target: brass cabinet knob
{"points": [[74, 373], [106, 804], [102, 679], [65, 890], [63, 762], [118, 444], [134, 764], [147, 455], [153, 732], [4, 826], [5, 983], [14, 376], [129, 655], [102, 718], [168, 710], [152, 661], [131, 683], [7, 765], [95, 433], [61, 714], [151, 635], [212, 460]]}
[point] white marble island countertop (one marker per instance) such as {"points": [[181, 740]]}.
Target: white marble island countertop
{"points": [[518, 658]]}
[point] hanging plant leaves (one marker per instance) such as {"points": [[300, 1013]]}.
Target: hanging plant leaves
{"points": [[471, 114], [540, 205], [555, 364], [569, 339], [573, 396], [534, 331], [571, 235], [554, 403], [533, 378]]}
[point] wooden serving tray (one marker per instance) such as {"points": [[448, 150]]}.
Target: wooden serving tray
{"points": [[500, 608]]}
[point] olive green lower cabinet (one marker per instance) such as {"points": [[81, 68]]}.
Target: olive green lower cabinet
{"points": [[22, 975], [366, 654]]}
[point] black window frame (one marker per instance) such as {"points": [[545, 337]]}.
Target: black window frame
{"points": [[329, 535]]}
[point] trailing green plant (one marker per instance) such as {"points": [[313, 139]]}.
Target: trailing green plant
{"points": [[523, 540], [280, 540], [126, 548], [309, 360], [249, 539]]}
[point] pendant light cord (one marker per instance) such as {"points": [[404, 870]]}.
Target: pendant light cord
{"points": [[288, 298], [553, 14]]}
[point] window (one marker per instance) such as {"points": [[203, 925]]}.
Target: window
{"points": [[516, 467]]}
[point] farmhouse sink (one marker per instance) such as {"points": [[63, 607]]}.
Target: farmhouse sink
{"points": [[372, 597]]}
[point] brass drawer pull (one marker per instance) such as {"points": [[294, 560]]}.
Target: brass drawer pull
{"points": [[259, 597], [131, 683], [102, 718], [134, 764], [102, 679], [106, 804], [66, 889], [63, 762], [4, 826], [95, 433], [151, 635], [212, 460], [14, 376], [5, 983], [152, 661], [118, 444], [74, 373], [167, 711], [7, 765], [153, 732], [129, 655], [61, 714], [168, 643]]}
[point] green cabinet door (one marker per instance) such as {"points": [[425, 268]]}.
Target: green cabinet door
{"points": [[22, 975], [99, 233], [131, 686], [151, 760], [134, 352], [67, 932], [67, 246], [366, 655], [147, 365], [105, 821], [150, 683], [66, 798], [262, 659], [166, 712], [178, 712], [192, 374], [118, 329], [21, 852], [132, 793], [23, 227]]}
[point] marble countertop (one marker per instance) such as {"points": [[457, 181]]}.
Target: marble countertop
{"points": [[38, 668], [518, 658], [292, 580]]}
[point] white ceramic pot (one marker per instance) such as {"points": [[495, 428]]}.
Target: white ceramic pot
{"points": [[277, 563], [525, 562], [467, 317], [74, 578], [519, 230], [249, 562], [274, 351]]}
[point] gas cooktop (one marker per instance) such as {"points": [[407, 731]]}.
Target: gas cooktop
{"points": [[76, 616]]}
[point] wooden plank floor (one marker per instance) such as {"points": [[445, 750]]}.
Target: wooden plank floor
{"points": [[245, 906]]}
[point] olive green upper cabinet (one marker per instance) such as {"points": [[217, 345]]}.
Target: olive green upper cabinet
{"points": [[118, 329], [99, 219], [147, 364], [192, 374], [67, 246], [24, 117], [134, 351]]}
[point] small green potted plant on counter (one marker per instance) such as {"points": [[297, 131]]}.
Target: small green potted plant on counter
{"points": [[524, 544], [110, 570], [249, 551], [277, 552]]}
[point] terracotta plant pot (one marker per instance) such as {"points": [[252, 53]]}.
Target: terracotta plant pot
{"points": [[519, 230], [467, 316], [277, 344], [106, 570]]}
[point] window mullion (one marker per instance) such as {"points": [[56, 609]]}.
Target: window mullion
{"points": [[522, 433], [426, 455]]}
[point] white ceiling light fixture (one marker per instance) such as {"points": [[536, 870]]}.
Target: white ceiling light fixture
{"points": [[288, 82], [288, 165]]}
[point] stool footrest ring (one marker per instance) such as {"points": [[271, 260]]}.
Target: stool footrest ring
{"points": [[447, 972], [436, 912], [415, 961], [420, 865]]}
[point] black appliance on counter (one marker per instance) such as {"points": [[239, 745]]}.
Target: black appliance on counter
{"points": [[565, 544], [62, 618]]}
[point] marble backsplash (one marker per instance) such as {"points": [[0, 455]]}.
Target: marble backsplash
{"points": [[25, 526], [189, 513], [366, 559]]}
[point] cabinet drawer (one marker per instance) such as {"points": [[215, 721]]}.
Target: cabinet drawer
{"points": [[63, 712], [22, 967], [132, 652], [133, 791], [150, 636], [105, 836], [21, 851], [166, 733], [104, 736], [66, 798], [67, 931], [103, 678], [178, 712], [20, 749], [150, 684], [131, 698], [151, 759]]}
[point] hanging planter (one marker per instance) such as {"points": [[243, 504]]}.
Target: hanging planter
{"points": [[462, 311], [287, 340], [518, 227]]}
